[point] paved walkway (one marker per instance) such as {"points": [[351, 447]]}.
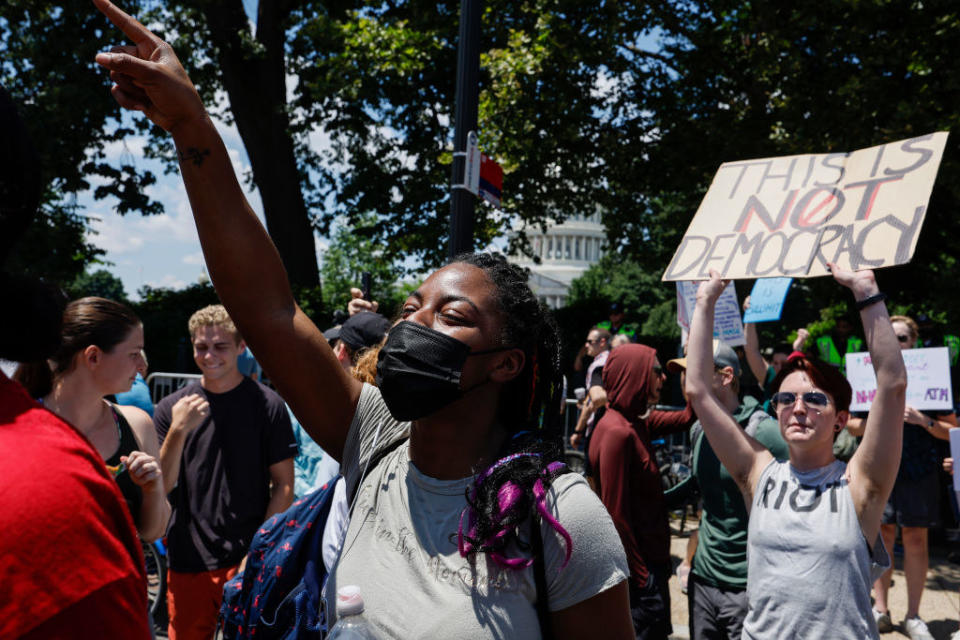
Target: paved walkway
{"points": [[940, 606]]}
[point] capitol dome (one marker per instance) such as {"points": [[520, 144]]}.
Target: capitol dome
{"points": [[566, 250]]}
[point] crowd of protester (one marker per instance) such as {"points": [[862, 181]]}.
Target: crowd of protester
{"points": [[442, 431]]}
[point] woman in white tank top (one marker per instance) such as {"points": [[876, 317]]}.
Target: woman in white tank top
{"points": [[813, 545]]}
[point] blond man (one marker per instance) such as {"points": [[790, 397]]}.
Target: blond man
{"points": [[227, 451]]}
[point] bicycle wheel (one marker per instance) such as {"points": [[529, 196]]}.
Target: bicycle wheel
{"points": [[156, 566]]}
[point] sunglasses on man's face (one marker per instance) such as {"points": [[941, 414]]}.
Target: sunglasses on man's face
{"points": [[902, 338], [811, 399]]}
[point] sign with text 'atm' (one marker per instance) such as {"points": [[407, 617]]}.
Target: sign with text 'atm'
{"points": [[928, 379]]}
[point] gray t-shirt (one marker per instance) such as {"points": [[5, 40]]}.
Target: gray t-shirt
{"points": [[809, 568], [401, 546]]}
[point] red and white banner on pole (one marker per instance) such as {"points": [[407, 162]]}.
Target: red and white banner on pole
{"points": [[491, 180], [482, 176]]}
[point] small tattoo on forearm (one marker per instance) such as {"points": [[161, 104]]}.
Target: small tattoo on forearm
{"points": [[194, 155]]}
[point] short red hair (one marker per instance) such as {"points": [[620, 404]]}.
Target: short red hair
{"points": [[825, 376]]}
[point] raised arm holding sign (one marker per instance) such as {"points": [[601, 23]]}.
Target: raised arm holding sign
{"points": [[812, 510], [790, 216]]}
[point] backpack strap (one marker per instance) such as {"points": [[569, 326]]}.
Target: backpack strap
{"points": [[536, 541], [540, 580], [375, 459]]}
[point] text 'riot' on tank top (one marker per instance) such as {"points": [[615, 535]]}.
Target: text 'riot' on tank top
{"points": [[809, 568]]}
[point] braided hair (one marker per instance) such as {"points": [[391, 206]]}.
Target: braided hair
{"points": [[514, 488]]}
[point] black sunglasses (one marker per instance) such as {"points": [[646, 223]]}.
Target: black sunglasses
{"points": [[812, 399], [657, 369], [902, 338]]}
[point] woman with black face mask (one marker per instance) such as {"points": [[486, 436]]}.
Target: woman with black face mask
{"points": [[468, 527]]}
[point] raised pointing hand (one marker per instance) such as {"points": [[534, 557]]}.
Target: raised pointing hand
{"points": [[148, 76]]}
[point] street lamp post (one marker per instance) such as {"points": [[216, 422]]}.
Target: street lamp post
{"points": [[465, 120]]}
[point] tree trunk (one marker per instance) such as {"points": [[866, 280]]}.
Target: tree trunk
{"points": [[256, 86]]}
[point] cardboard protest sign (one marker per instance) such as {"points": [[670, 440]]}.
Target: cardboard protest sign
{"points": [[791, 215], [766, 299], [727, 325], [928, 379]]}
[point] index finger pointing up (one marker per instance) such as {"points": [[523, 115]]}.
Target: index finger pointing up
{"points": [[129, 25]]}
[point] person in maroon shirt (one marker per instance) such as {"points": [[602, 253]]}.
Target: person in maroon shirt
{"points": [[628, 479]]}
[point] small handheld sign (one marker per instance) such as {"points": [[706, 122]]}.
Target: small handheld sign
{"points": [[766, 299], [727, 325], [928, 379]]}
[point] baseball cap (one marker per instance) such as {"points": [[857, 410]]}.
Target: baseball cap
{"points": [[363, 330], [723, 356], [333, 333]]}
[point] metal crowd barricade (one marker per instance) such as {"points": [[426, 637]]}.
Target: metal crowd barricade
{"points": [[163, 384]]}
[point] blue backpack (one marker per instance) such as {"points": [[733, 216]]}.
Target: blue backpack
{"points": [[278, 593]]}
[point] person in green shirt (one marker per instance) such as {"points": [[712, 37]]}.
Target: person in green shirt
{"points": [[617, 323], [832, 347], [716, 594]]}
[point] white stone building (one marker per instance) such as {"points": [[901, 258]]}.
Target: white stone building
{"points": [[566, 250]]}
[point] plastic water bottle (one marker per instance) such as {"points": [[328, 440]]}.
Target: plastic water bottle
{"points": [[351, 623]]}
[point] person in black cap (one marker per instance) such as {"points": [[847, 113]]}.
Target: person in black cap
{"points": [[361, 331]]}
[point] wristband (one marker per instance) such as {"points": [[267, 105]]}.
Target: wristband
{"points": [[930, 423], [866, 302]]}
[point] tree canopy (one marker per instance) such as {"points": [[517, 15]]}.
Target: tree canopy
{"points": [[737, 80], [65, 102], [625, 106], [100, 283], [377, 80]]}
